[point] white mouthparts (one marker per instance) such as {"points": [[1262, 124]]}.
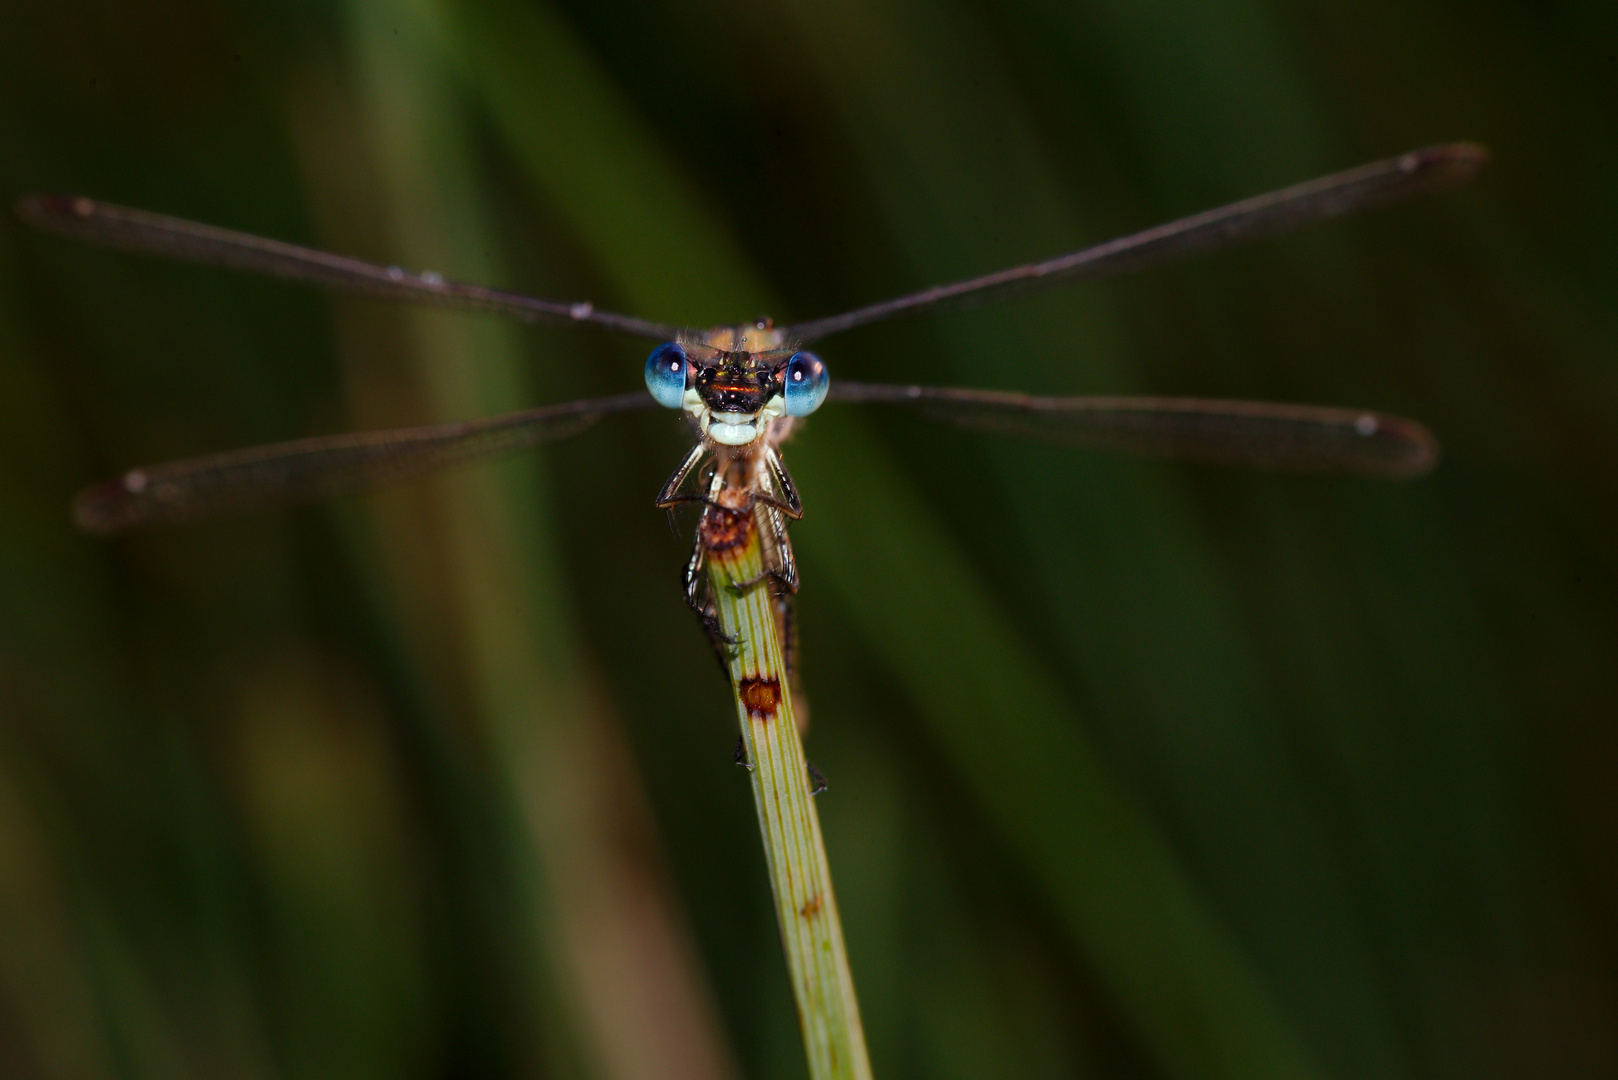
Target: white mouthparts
{"points": [[732, 429]]}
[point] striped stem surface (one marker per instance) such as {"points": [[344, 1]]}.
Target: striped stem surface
{"points": [[800, 879]]}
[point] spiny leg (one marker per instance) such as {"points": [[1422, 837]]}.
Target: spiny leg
{"points": [[780, 566], [668, 497], [789, 501]]}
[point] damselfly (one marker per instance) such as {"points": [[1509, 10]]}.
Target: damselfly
{"points": [[744, 386]]}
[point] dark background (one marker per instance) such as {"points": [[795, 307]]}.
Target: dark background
{"points": [[1137, 769]]}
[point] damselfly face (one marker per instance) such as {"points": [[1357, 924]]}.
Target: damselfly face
{"points": [[736, 383]]}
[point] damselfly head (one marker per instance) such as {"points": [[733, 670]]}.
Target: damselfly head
{"points": [[733, 394]]}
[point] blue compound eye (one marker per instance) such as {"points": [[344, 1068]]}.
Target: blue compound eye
{"points": [[665, 375], [806, 384]]}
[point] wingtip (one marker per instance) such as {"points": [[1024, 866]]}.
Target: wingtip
{"points": [[1450, 163], [104, 509], [1417, 447], [50, 211]]}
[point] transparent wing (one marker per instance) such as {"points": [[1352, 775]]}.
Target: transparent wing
{"points": [[140, 230], [1290, 437], [1431, 169], [263, 476]]}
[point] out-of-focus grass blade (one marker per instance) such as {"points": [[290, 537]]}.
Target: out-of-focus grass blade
{"points": [[610, 972]]}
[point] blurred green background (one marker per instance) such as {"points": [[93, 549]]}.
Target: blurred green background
{"points": [[1136, 769]]}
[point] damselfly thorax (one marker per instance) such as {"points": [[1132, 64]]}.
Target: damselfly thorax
{"points": [[743, 388]]}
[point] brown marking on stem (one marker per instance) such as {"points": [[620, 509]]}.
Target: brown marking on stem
{"points": [[726, 529], [761, 696], [811, 907]]}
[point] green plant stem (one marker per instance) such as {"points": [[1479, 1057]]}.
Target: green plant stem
{"points": [[800, 879]]}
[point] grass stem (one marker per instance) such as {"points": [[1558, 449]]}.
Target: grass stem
{"points": [[800, 879]]}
